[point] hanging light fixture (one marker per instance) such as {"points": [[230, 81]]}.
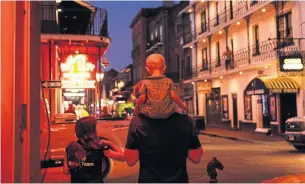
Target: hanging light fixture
{"points": [[105, 62], [100, 76]]}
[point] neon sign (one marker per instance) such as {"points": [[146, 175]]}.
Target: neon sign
{"points": [[77, 72], [76, 64], [291, 64]]}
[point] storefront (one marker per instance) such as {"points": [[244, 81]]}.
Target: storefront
{"points": [[270, 90], [78, 81]]}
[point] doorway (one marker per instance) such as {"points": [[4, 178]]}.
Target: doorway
{"points": [[213, 107], [288, 108], [214, 112], [235, 115]]}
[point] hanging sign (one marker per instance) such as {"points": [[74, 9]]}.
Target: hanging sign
{"points": [[291, 64]]}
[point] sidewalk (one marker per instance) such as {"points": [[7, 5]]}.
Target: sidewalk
{"points": [[241, 135], [295, 178]]}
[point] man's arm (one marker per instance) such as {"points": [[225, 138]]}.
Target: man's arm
{"points": [[131, 153], [195, 155], [195, 152], [131, 157]]}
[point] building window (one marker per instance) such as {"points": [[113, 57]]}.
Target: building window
{"points": [[217, 15], [255, 50], [188, 69], [156, 32], [231, 9], [253, 2], [203, 22], [232, 47], [284, 29], [204, 59], [218, 54], [248, 107], [161, 32], [178, 65]]}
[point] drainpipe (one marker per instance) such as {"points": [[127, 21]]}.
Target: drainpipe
{"points": [[50, 75], [98, 69]]}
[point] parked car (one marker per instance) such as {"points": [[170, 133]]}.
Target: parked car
{"points": [[295, 132]]}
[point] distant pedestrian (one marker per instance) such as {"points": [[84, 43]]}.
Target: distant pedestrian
{"points": [[84, 158], [228, 58], [70, 109]]}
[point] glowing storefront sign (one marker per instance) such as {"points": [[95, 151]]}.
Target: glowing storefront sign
{"points": [[77, 64], [78, 84], [293, 64], [77, 72]]}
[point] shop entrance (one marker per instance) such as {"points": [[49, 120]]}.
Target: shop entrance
{"points": [[214, 116], [235, 115], [266, 88], [288, 108]]}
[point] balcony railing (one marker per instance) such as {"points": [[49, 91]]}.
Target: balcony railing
{"points": [[255, 54], [240, 8], [154, 43], [81, 21]]}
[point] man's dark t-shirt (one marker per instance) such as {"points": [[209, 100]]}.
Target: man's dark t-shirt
{"points": [[163, 146]]}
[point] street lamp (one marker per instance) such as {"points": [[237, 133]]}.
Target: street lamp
{"points": [[105, 62], [100, 76]]}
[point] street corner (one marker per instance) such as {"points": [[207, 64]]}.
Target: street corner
{"points": [[295, 178]]}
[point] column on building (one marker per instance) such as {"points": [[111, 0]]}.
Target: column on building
{"points": [[20, 92]]}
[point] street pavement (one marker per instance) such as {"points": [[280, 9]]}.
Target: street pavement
{"points": [[244, 162]]}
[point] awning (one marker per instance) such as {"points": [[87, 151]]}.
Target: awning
{"points": [[263, 85]]}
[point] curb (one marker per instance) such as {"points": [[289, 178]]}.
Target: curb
{"points": [[234, 138]]}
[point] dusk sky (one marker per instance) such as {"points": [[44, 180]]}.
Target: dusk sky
{"points": [[120, 15]]}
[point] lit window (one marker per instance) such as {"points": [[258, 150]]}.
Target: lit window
{"points": [[161, 32]]}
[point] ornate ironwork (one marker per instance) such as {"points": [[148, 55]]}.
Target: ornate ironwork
{"points": [[292, 49]]}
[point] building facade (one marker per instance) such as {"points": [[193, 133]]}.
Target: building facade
{"points": [[154, 29], [139, 43], [107, 82], [122, 87], [20, 85], [74, 40], [243, 62]]}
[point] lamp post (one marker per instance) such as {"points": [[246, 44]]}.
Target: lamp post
{"points": [[102, 63]]}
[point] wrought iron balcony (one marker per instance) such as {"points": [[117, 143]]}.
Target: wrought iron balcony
{"points": [[72, 18], [239, 9], [258, 53]]}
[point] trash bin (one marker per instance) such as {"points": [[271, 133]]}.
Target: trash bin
{"points": [[199, 122]]}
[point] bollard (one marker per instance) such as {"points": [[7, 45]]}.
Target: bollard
{"points": [[211, 169]]}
